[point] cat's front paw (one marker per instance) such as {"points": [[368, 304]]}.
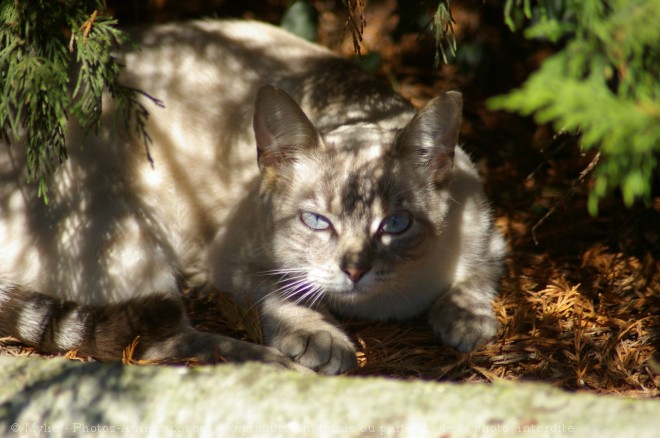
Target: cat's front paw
{"points": [[321, 350], [463, 328]]}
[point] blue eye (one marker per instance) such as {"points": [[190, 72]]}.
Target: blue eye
{"points": [[315, 221], [396, 223]]}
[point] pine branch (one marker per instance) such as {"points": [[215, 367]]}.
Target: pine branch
{"points": [[604, 83], [445, 39], [356, 22], [577, 182], [42, 42]]}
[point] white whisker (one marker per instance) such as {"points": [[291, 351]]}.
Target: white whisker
{"points": [[291, 284]]}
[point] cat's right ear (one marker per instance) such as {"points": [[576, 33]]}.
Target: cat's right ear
{"points": [[281, 128], [431, 136]]}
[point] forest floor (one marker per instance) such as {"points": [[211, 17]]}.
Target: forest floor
{"points": [[580, 300]]}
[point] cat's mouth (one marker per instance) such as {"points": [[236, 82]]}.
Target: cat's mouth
{"points": [[352, 293]]}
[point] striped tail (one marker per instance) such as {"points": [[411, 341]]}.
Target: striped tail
{"points": [[102, 332]]}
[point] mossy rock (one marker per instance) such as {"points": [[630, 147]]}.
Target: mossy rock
{"points": [[66, 398]]}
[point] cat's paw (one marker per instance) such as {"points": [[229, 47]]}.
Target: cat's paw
{"points": [[323, 351], [463, 328], [467, 332]]}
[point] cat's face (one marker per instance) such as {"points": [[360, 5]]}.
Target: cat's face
{"points": [[351, 223], [354, 213]]}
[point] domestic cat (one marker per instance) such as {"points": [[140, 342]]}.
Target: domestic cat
{"points": [[283, 175]]}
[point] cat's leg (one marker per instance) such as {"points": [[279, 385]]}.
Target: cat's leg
{"points": [[157, 324], [308, 336], [184, 342], [463, 316]]}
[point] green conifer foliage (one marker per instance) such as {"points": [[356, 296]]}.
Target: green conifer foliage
{"points": [[604, 84], [41, 43]]}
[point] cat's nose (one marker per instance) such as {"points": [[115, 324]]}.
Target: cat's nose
{"points": [[355, 274]]}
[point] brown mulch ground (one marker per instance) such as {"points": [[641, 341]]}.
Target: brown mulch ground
{"points": [[580, 301]]}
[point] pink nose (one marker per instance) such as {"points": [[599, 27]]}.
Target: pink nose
{"points": [[355, 274]]}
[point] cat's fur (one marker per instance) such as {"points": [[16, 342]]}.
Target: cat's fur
{"points": [[355, 205]]}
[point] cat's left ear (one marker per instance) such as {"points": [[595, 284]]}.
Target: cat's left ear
{"points": [[281, 127], [431, 136]]}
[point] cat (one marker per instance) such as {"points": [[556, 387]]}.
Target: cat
{"points": [[283, 175]]}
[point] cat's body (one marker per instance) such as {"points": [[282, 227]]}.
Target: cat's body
{"points": [[362, 214]]}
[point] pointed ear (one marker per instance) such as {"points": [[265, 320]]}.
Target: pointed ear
{"points": [[281, 128], [432, 135]]}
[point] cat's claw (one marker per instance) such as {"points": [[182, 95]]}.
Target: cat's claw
{"points": [[321, 351]]}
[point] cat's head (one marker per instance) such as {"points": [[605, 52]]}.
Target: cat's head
{"points": [[353, 212]]}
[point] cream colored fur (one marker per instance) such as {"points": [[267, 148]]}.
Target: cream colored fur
{"points": [[219, 206]]}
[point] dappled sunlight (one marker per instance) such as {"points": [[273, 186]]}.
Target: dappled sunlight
{"points": [[578, 304]]}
